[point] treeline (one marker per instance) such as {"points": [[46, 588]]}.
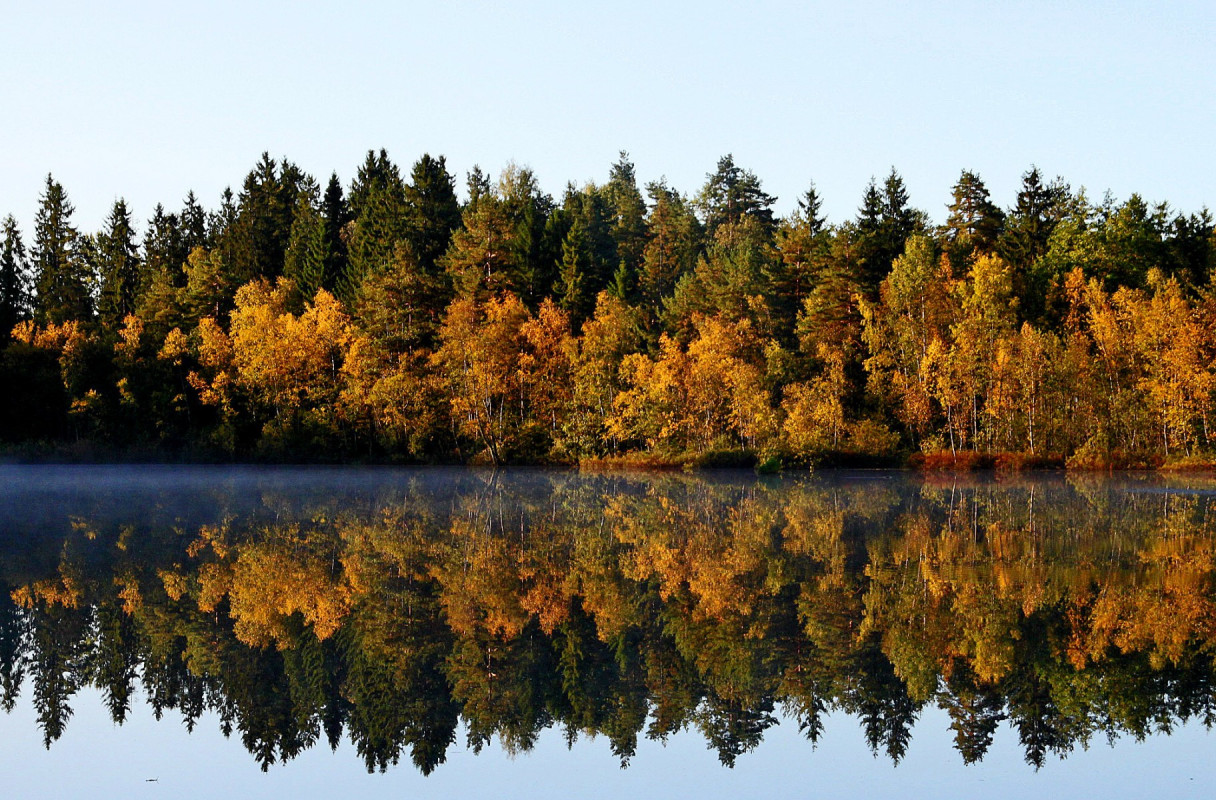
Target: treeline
{"points": [[389, 321]]}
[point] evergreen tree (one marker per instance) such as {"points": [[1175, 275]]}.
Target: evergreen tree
{"points": [[974, 222], [1039, 208], [117, 267], [673, 241], [376, 174], [479, 262], [259, 235], [1192, 248], [432, 209], [884, 223], [731, 193], [193, 224], [14, 277], [810, 206], [869, 251], [220, 221], [377, 203], [163, 248], [306, 250], [528, 209], [477, 184], [572, 278], [60, 273], [590, 211], [804, 247], [337, 216], [628, 212]]}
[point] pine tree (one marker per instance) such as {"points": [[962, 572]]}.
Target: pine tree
{"points": [[14, 278], [117, 268], [60, 273], [731, 193], [479, 263], [974, 222]]}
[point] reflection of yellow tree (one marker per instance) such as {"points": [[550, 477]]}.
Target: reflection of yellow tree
{"points": [[288, 571]]}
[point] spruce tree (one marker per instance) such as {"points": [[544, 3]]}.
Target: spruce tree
{"points": [[870, 253], [306, 250], [377, 203], [432, 209], [163, 250], [14, 277], [628, 214], [884, 223], [527, 209], [61, 277], [572, 278], [804, 247], [377, 172], [810, 206], [337, 215], [1038, 209], [589, 210], [220, 221], [117, 267], [259, 235], [193, 224]]}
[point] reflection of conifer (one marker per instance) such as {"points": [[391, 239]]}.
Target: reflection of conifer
{"points": [[975, 711], [14, 648], [733, 728], [58, 662], [115, 661]]}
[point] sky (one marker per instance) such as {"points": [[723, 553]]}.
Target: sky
{"points": [[148, 100]]}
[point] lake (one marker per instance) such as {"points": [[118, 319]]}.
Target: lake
{"points": [[207, 631]]}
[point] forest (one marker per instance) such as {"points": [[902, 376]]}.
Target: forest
{"points": [[391, 321]]}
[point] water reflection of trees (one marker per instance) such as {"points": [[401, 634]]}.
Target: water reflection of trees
{"points": [[620, 608]]}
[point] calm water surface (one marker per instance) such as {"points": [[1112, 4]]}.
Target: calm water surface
{"points": [[529, 633]]}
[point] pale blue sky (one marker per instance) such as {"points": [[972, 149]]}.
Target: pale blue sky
{"points": [[147, 100], [95, 759]]}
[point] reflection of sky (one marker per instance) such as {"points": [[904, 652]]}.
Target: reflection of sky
{"points": [[96, 760]]}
